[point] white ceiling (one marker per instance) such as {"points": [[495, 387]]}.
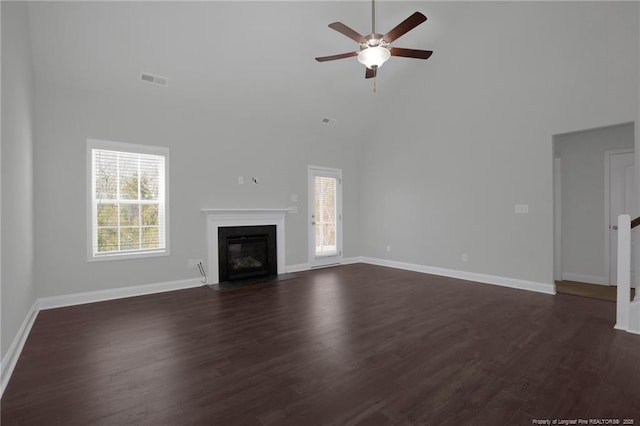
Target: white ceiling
{"points": [[222, 49], [261, 54]]}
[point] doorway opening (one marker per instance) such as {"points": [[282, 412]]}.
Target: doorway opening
{"points": [[594, 181]]}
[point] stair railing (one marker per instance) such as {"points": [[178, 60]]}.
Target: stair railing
{"points": [[623, 303]]}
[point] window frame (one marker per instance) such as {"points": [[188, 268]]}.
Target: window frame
{"points": [[92, 219]]}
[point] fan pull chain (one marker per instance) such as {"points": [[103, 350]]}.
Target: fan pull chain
{"points": [[374, 85]]}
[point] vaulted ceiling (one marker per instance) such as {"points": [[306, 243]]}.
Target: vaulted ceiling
{"points": [[260, 55], [229, 51]]}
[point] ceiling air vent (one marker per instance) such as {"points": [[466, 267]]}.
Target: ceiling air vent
{"points": [[155, 79], [329, 121]]}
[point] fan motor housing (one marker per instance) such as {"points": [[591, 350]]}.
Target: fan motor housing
{"points": [[374, 40]]}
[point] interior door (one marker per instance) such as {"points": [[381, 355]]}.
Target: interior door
{"points": [[325, 216], [622, 200]]}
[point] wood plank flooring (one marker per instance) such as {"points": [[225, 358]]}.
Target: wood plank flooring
{"points": [[595, 291], [350, 345]]}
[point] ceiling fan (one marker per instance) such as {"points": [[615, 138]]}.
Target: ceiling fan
{"points": [[375, 49]]}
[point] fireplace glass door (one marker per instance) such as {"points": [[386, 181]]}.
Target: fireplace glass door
{"points": [[246, 252], [247, 257]]}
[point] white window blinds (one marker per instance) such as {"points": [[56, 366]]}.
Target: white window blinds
{"points": [[325, 215], [128, 201]]}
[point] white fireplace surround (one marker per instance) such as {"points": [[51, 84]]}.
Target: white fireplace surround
{"points": [[242, 217]]}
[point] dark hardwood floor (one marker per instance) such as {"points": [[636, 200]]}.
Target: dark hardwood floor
{"points": [[351, 345], [595, 291]]}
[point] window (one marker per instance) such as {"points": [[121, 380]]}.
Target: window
{"points": [[128, 198]]}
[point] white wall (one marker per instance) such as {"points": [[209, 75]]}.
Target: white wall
{"points": [[472, 136], [18, 286], [636, 235], [582, 181], [449, 147], [211, 144]]}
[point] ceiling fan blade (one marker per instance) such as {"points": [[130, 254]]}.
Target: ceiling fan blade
{"points": [[352, 34], [334, 57], [404, 27], [371, 72], [411, 53]]}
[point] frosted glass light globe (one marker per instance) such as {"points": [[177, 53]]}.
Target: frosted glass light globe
{"points": [[374, 56]]}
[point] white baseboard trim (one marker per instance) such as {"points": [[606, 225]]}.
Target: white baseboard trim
{"points": [[465, 275], [297, 268], [9, 361], [581, 278], [115, 293], [351, 260]]}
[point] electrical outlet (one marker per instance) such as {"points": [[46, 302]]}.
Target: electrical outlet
{"points": [[388, 248], [465, 257], [191, 263], [240, 180]]}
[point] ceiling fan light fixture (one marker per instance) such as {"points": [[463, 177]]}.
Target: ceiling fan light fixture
{"points": [[374, 56]]}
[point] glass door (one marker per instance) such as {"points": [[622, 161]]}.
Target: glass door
{"points": [[325, 221]]}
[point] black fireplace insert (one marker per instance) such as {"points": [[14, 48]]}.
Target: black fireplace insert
{"points": [[246, 252]]}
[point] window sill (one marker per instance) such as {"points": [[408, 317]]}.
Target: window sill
{"points": [[127, 256]]}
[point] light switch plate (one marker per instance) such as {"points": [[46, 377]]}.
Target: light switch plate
{"points": [[522, 208]]}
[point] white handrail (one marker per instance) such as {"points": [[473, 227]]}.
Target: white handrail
{"points": [[624, 272]]}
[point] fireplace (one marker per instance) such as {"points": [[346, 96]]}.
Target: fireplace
{"points": [[246, 252], [221, 218]]}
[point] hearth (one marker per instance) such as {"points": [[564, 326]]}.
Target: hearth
{"points": [[246, 252]]}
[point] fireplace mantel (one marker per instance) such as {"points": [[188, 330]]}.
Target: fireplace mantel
{"points": [[246, 211], [217, 218]]}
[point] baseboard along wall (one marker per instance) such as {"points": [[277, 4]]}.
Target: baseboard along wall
{"points": [[10, 359], [465, 275]]}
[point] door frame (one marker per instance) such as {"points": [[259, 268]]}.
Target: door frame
{"points": [[312, 171], [607, 208], [557, 219]]}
